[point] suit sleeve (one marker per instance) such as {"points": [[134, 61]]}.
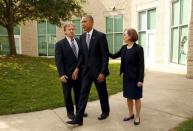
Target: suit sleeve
{"points": [[116, 55], [80, 58], [105, 53], [141, 64], [59, 60]]}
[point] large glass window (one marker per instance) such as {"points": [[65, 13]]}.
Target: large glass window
{"points": [[151, 17], [78, 31], [4, 42], [46, 38], [147, 25], [114, 32], [179, 31], [142, 38], [143, 21]]}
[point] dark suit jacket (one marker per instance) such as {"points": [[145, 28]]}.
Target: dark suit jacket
{"points": [[136, 64], [95, 60], [65, 58]]}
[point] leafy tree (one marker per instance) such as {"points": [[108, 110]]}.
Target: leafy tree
{"points": [[15, 12]]}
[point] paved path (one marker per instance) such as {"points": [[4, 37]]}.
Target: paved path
{"points": [[168, 100]]}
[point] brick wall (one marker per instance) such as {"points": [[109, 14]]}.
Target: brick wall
{"points": [[29, 38]]}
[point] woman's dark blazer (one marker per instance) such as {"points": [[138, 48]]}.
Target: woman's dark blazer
{"points": [[136, 64]]}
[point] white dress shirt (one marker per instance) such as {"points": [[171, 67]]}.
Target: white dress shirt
{"points": [[90, 33], [75, 43]]}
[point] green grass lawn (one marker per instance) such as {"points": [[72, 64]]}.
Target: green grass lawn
{"points": [[31, 83], [185, 126]]}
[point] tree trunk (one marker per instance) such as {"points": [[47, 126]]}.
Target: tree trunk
{"points": [[12, 47], [10, 27], [190, 46]]}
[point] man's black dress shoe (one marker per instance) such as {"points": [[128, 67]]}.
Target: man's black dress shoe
{"points": [[71, 116], [128, 118], [103, 116], [74, 122], [85, 115]]}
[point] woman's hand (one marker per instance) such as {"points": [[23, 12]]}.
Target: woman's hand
{"points": [[140, 84]]}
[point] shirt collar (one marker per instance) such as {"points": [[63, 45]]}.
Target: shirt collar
{"points": [[69, 39], [90, 32]]}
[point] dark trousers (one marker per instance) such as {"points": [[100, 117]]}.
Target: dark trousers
{"points": [[67, 88], [85, 90]]}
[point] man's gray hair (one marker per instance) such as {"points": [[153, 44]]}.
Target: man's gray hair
{"points": [[68, 23]]}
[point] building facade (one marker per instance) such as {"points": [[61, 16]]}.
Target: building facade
{"points": [[190, 48], [163, 27]]}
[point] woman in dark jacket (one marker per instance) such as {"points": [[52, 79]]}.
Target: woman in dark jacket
{"points": [[132, 67]]}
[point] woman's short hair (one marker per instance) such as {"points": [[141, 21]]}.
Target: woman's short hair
{"points": [[133, 34]]}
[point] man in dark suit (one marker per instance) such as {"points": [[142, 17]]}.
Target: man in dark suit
{"points": [[94, 63], [67, 56]]}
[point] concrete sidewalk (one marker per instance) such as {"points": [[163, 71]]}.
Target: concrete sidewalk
{"points": [[168, 100]]}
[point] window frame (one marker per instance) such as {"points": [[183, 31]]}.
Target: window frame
{"points": [[18, 36], [146, 31], [179, 27], [113, 33], [47, 36], [80, 27]]}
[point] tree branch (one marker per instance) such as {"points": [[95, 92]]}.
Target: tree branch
{"points": [[2, 3], [6, 2]]}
